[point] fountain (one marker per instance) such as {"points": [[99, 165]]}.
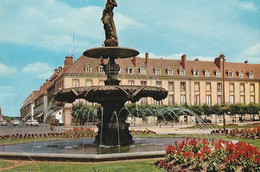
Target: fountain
{"points": [[112, 130]]}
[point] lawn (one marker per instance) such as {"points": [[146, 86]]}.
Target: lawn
{"points": [[4, 164], [126, 166]]}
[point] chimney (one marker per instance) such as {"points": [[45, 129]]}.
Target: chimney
{"points": [[218, 62], [146, 58], [246, 61], [183, 61], [68, 61], [56, 72], [134, 60], [196, 59]]}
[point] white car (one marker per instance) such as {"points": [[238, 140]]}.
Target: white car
{"points": [[16, 122], [32, 122]]}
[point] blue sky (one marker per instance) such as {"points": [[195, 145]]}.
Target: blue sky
{"points": [[36, 35]]}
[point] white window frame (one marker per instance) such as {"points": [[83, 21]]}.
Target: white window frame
{"points": [[142, 71], [251, 74], [169, 71], [130, 70], [88, 68], [241, 74], [181, 71], [196, 72], [157, 71], [218, 73], [101, 69], [230, 74], [207, 73]]}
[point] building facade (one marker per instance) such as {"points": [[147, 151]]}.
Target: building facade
{"points": [[188, 82]]}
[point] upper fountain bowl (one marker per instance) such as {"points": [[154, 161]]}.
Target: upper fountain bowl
{"points": [[111, 52]]}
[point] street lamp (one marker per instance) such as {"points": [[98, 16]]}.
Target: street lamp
{"points": [[222, 56]]}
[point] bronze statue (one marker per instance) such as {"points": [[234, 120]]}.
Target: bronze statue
{"points": [[109, 25]]}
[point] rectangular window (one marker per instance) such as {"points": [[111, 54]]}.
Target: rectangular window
{"points": [[143, 83], [231, 87], [252, 87], [197, 99], [171, 99], [208, 99], [183, 86], [196, 86], [219, 87], [231, 99], [142, 71], [159, 83], [252, 98], [75, 83], [242, 99], [131, 82], [170, 85], [242, 87], [183, 98], [219, 99], [208, 87]]}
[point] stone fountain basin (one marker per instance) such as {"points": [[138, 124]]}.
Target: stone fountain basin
{"points": [[101, 94], [85, 150], [111, 52]]}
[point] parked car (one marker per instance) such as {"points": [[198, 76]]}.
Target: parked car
{"points": [[32, 122], [3, 123], [15, 122]]}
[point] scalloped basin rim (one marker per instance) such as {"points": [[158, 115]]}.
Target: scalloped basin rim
{"points": [[111, 92]]}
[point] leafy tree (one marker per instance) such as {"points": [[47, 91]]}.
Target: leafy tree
{"points": [[216, 109], [81, 112], [197, 109], [253, 109]]}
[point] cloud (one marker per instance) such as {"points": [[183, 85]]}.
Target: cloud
{"points": [[248, 6], [6, 71], [252, 54], [50, 24], [41, 70]]}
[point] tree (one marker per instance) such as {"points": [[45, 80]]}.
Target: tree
{"points": [[81, 112], [253, 109]]}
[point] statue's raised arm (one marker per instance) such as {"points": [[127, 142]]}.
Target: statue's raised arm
{"points": [[109, 25]]}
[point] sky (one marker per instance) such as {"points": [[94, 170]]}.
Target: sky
{"points": [[36, 35]]}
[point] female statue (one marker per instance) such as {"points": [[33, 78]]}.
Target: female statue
{"points": [[109, 25]]}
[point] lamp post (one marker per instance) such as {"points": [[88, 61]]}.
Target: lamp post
{"points": [[222, 56]]}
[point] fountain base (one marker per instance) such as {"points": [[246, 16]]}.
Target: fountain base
{"points": [[113, 134]]}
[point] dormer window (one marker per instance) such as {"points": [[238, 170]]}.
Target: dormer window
{"points": [[142, 71], [169, 71], [182, 71], [88, 68], [130, 70], [157, 71], [251, 74], [230, 74], [207, 73], [196, 72], [100, 69], [218, 73], [241, 74]]}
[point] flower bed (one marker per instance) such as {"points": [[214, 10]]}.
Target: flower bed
{"points": [[246, 133], [76, 132], [200, 155], [142, 132]]}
